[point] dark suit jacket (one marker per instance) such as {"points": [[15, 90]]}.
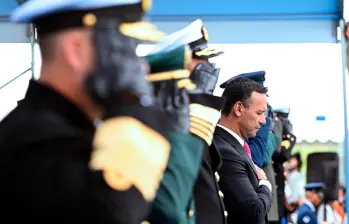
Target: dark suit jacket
{"points": [[245, 201]]}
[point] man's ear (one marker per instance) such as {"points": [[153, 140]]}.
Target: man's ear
{"points": [[237, 109], [73, 50]]}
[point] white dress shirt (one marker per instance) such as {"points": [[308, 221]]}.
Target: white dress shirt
{"points": [[240, 140]]}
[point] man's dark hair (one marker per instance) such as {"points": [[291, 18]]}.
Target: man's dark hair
{"points": [[342, 187], [240, 89], [47, 45], [298, 157]]}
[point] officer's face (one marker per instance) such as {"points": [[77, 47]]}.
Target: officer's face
{"points": [[314, 197], [195, 62], [89, 58], [252, 117], [293, 163]]}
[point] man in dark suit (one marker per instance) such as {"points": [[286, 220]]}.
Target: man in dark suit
{"points": [[257, 144], [247, 191]]}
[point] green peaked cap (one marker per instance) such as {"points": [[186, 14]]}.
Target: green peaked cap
{"points": [[171, 64]]}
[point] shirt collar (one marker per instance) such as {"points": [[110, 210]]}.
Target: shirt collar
{"points": [[310, 205], [240, 140]]}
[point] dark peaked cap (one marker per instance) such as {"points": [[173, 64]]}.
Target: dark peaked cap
{"points": [[51, 16], [258, 76], [317, 186]]}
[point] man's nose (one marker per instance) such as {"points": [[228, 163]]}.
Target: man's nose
{"points": [[263, 120]]}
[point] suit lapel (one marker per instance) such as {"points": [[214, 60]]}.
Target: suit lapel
{"points": [[236, 144]]}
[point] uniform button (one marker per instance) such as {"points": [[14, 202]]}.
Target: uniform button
{"points": [[225, 213], [217, 176], [221, 194], [145, 222], [191, 213]]}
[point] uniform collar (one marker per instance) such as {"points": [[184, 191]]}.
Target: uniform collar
{"points": [[310, 205], [45, 98]]}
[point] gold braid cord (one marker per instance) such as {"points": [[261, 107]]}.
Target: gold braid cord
{"points": [[286, 144], [206, 52], [203, 121], [142, 31], [130, 154]]}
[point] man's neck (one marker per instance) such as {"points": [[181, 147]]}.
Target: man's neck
{"points": [[67, 88], [231, 126], [308, 202]]}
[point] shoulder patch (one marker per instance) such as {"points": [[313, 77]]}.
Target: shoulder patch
{"points": [[306, 219]]}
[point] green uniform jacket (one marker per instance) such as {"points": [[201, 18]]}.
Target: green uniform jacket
{"points": [[174, 203]]}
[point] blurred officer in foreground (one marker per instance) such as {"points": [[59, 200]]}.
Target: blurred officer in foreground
{"points": [[282, 154], [209, 205], [62, 169], [196, 35], [314, 196], [169, 73]]}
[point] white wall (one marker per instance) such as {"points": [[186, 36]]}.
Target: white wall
{"points": [[305, 77]]}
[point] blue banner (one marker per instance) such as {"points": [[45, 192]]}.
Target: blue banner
{"points": [[257, 21], [6, 7], [239, 8], [245, 7], [320, 118]]}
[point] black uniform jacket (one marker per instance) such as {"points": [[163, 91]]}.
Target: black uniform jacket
{"points": [[208, 198], [45, 148]]}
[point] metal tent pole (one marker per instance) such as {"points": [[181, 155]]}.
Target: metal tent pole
{"points": [[32, 44], [344, 80]]}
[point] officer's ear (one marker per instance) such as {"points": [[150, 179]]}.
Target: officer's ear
{"points": [[77, 49]]}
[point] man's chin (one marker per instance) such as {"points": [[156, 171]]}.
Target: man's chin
{"points": [[251, 135]]}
